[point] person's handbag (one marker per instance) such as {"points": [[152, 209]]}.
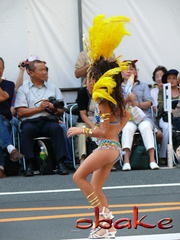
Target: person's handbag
{"points": [[139, 158], [137, 114], [165, 117]]}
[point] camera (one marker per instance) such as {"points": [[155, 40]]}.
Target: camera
{"points": [[24, 64], [56, 103]]}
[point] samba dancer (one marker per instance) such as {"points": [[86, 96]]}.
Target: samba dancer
{"points": [[104, 83]]}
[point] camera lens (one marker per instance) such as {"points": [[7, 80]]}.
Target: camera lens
{"points": [[56, 103], [23, 64]]}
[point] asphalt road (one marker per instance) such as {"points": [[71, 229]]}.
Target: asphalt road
{"points": [[47, 207]]}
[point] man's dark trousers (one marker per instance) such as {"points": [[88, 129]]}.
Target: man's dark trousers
{"points": [[42, 127]]}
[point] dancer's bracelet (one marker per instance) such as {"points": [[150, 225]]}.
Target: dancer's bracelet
{"points": [[86, 131], [83, 129]]}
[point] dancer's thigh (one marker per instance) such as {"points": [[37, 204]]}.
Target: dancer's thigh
{"points": [[98, 159]]}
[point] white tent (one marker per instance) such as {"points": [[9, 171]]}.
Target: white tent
{"points": [[50, 30]]}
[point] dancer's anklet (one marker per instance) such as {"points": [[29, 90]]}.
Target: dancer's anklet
{"points": [[90, 195], [94, 201]]}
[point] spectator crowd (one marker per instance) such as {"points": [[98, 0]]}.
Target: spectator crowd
{"points": [[34, 109]]}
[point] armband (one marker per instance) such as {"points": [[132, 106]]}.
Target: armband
{"points": [[107, 115], [87, 131]]}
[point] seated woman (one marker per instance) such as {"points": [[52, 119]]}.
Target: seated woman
{"points": [[176, 125], [169, 77], [142, 100], [158, 72], [176, 114]]}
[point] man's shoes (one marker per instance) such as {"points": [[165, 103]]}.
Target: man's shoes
{"points": [[29, 171], [2, 174], [162, 161], [126, 167], [62, 169], [153, 166], [15, 156], [113, 169], [69, 166]]}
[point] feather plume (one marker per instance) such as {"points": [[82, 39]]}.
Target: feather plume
{"points": [[104, 87], [106, 35]]}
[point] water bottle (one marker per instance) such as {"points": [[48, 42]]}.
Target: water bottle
{"points": [[42, 153]]}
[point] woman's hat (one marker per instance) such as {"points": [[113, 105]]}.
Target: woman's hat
{"points": [[131, 61], [32, 58], [170, 72]]}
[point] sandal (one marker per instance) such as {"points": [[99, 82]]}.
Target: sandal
{"points": [[108, 234]]}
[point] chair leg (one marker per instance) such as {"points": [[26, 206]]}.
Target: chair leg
{"points": [[121, 161], [156, 150], [73, 152], [72, 138], [18, 142]]}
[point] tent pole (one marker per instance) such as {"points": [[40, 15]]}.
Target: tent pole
{"points": [[80, 24], [80, 27]]}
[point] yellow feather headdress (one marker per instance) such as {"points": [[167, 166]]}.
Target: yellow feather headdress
{"points": [[104, 87], [105, 36]]}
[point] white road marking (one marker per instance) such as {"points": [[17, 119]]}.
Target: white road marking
{"points": [[77, 189], [170, 236]]}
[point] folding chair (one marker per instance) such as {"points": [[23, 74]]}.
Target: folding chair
{"points": [[73, 110], [176, 144], [16, 139]]}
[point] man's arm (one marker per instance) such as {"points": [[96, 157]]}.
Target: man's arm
{"points": [[3, 95], [19, 81], [81, 65], [81, 72], [27, 112], [85, 118]]}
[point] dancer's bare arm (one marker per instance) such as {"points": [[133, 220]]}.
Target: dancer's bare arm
{"points": [[99, 132]]}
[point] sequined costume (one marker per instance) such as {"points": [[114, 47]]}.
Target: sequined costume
{"points": [[107, 144]]}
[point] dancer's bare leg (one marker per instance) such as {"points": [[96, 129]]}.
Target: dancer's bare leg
{"points": [[100, 163], [98, 179]]}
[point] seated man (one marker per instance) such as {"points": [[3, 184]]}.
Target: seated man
{"points": [[6, 95], [23, 65], [82, 65], [35, 110]]}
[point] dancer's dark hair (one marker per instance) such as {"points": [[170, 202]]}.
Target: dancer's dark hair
{"points": [[97, 70]]}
